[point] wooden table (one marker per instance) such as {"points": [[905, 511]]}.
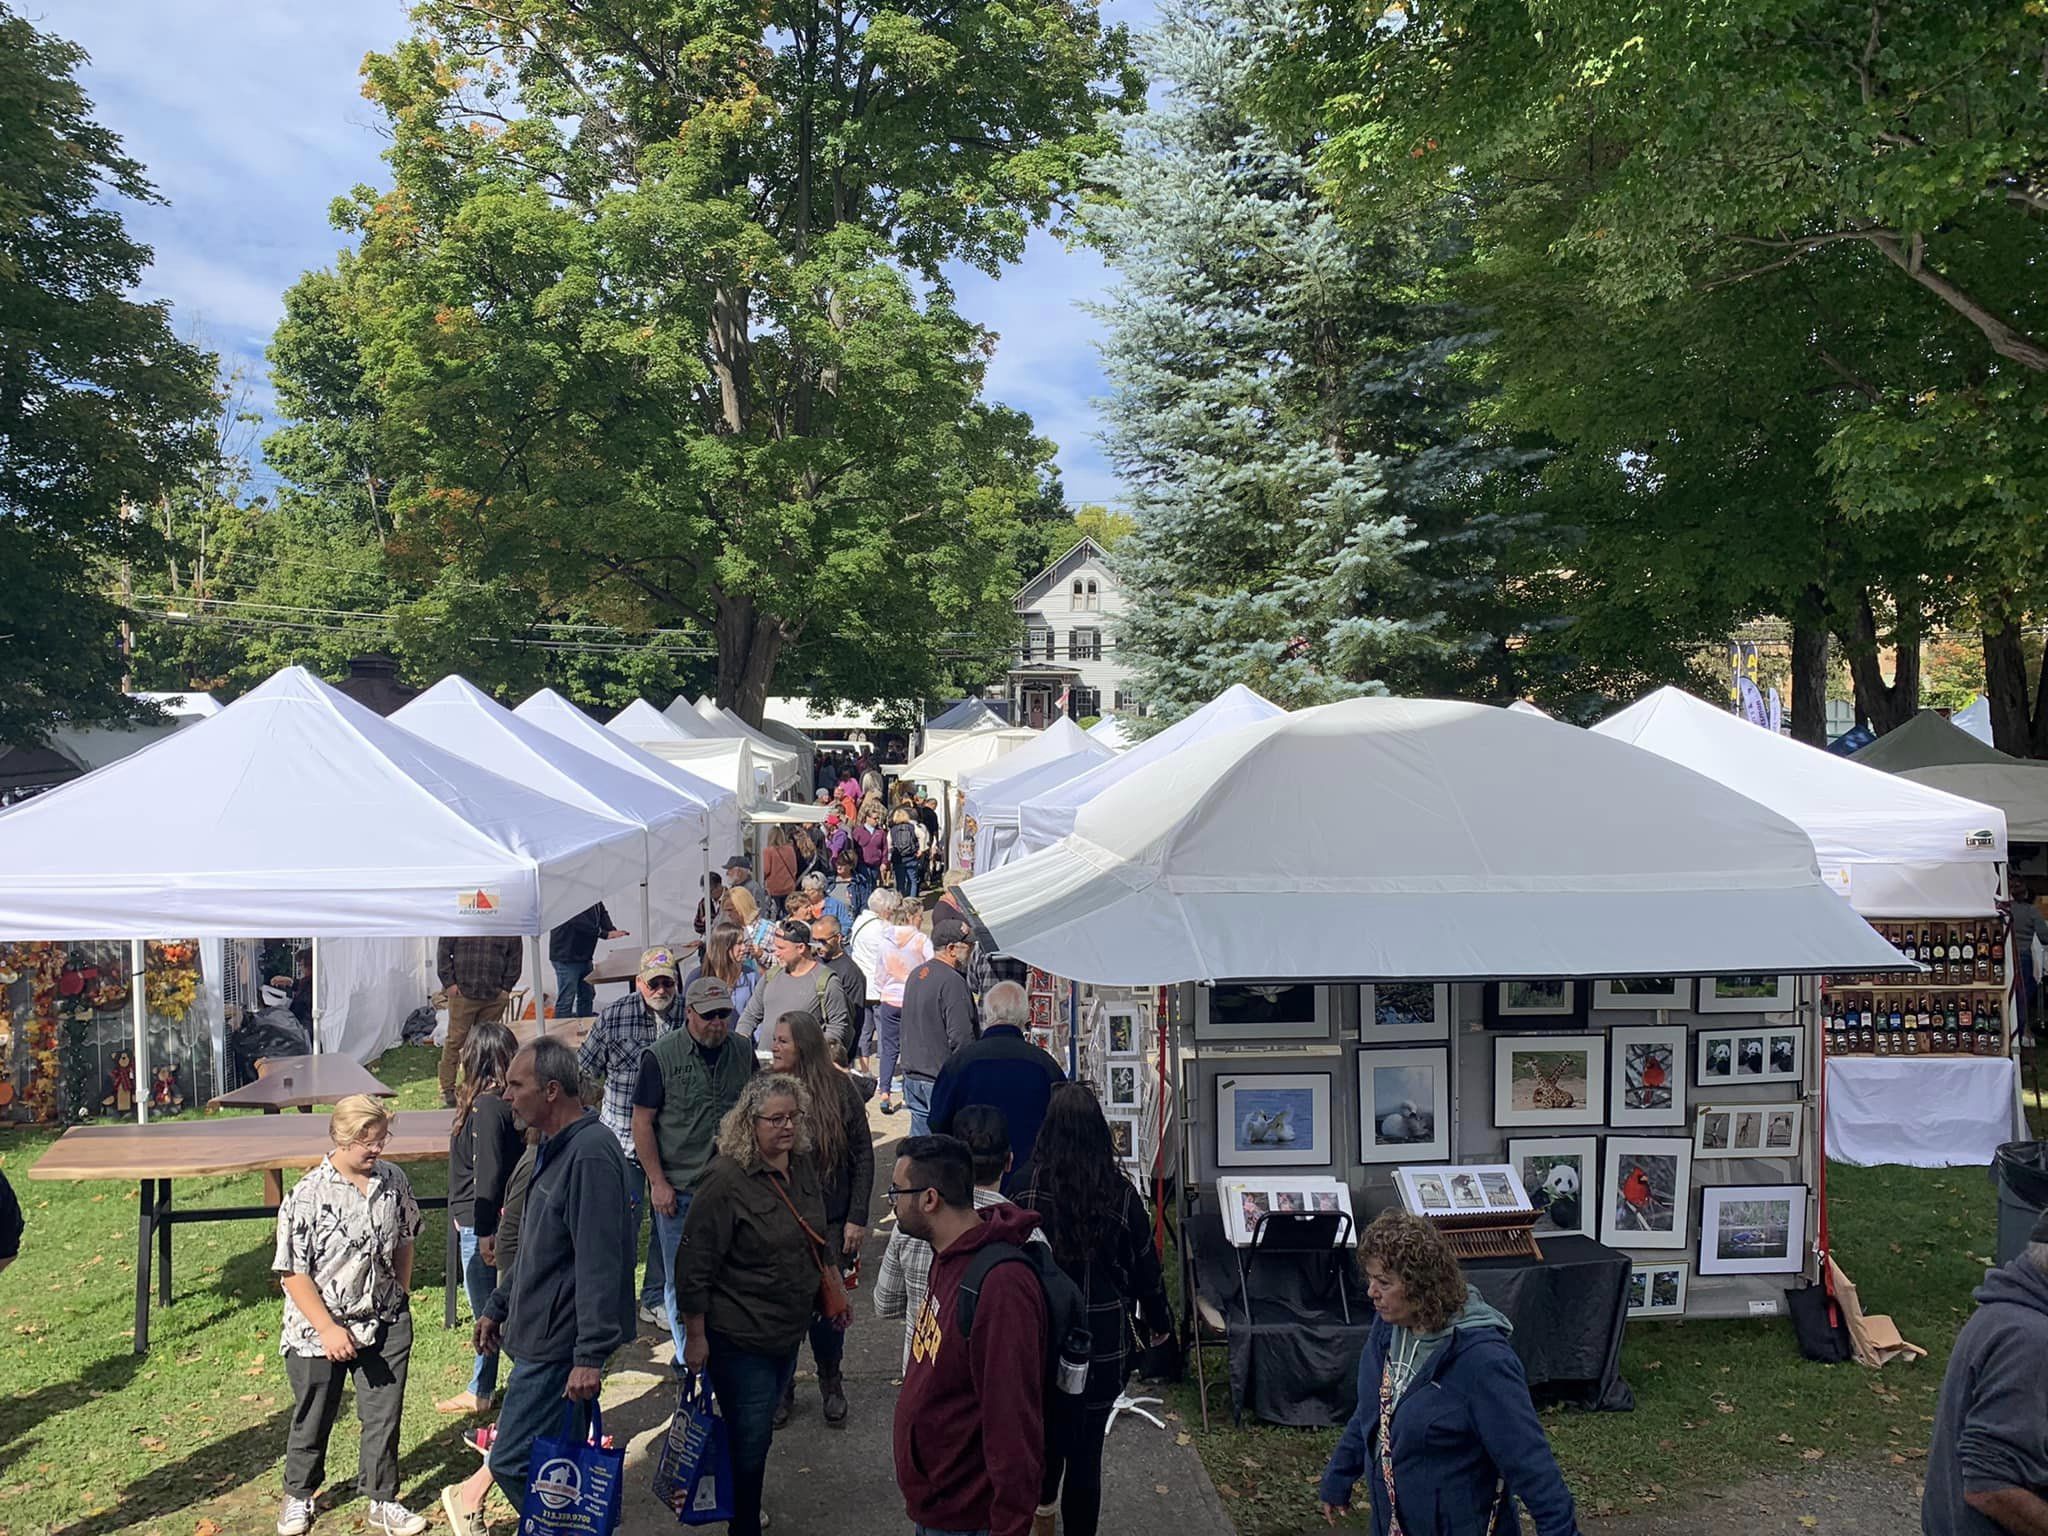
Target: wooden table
{"points": [[154, 1155], [624, 964], [571, 1032], [300, 1082]]}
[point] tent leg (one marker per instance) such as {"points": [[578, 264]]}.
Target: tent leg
{"points": [[540, 996], [138, 1012], [317, 1010]]}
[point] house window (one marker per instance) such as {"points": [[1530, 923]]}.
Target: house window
{"points": [[1035, 641], [1076, 598], [1123, 701], [1085, 645], [1083, 702], [1094, 600]]}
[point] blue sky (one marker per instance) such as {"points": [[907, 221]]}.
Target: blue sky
{"points": [[250, 120]]}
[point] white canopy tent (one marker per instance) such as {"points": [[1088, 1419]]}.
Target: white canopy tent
{"points": [[965, 753], [791, 760], [560, 718], [461, 718], [1933, 751], [1061, 739], [1975, 718], [1045, 820], [1112, 733], [1479, 844], [994, 808], [969, 717], [725, 761], [805, 716], [1895, 848]]}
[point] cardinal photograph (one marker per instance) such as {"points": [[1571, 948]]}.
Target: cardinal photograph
{"points": [[1643, 1194], [1647, 1076]]}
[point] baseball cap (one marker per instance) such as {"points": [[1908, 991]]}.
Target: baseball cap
{"points": [[794, 929], [708, 995], [740, 861], [951, 930], [659, 961]]}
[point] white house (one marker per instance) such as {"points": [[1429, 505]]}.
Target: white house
{"points": [[1068, 610]]}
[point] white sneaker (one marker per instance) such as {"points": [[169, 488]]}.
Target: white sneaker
{"points": [[656, 1316], [295, 1517], [393, 1519]]}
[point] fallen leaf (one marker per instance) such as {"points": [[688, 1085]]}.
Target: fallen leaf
{"points": [[1183, 1438], [1160, 1488], [1808, 1521], [1812, 1453], [1785, 1439], [206, 1527]]}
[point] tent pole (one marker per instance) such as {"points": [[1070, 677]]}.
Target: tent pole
{"points": [[540, 996], [138, 1012], [316, 989]]}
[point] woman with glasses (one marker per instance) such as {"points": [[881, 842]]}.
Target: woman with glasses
{"points": [[845, 1157], [345, 1238], [748, 1271], [483, 1149]]}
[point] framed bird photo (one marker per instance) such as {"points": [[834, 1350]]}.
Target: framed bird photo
{"points": [[1124, 1024], [1647, 1080], [1265, 1011], [1549, 1080], [1390, 1012], [1657, 1290], [1647, 1184], [1747, 1130], [1273, 1120], [1753, 1229], [1562, 1176], [1126, 1085], [1404, 1102], [1461, 1189]]}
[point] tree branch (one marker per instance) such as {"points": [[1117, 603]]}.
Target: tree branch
{"points": [[2005, 340]]}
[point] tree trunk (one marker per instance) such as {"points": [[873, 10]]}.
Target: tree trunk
{"points": [[2019, 724], [1885, 705], [1810, 681], [749, 645]]}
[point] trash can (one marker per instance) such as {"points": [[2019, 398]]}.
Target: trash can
{"points": [[2020, 1170]]}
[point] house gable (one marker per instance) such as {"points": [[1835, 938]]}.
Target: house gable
{"points": [[1035, 593]]}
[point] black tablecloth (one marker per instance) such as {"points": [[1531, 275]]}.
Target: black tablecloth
{"points": [[1296, 1360]]}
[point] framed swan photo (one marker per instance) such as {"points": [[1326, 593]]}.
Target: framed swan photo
{"points": [[1273, 1120]]}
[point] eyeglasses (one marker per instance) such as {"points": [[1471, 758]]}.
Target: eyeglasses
{"points": [[777, 1120], [659, 984], [893, 1193]]}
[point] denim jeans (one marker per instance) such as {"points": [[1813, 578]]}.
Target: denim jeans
{"points": [[654, 1280], [866, 1047], [888, 1040], [917, 1094], [478, 1281], [906, 875], [574, 996], [532, 1407], [668, 1234], [749, 1389]]}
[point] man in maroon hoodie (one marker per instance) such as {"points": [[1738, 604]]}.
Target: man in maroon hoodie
{"points": [[970, 1421]]}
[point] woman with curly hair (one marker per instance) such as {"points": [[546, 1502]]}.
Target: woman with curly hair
{"points": [[748, 1271], [1454, 1457], [1102, 1237]]}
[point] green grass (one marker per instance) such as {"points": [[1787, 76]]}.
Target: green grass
{"points": [[95, 1439], [1716, 1402]]}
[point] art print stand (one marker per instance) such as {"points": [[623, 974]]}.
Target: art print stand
{"points": [[1481, 1208]]}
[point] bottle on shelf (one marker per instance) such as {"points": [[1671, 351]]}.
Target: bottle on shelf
{"points": [[1980, 955], [1998, 959], [1921, 949]]}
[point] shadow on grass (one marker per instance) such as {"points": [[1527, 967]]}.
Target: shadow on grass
{"points": [[20, 1415], [220, 1467]]}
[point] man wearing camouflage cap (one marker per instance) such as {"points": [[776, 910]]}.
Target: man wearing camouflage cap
{"points": [[688, 1079]]}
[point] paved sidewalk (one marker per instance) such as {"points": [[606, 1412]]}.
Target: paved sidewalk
{"points": [[833, 1482]]}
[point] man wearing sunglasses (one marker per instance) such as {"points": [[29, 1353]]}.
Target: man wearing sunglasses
{"points": [[797, 984]]}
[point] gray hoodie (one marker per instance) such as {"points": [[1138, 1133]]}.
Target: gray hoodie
{"points": [[571, 1297], [1408, 1352], [1991, 1428]]}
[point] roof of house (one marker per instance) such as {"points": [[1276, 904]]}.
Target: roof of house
{"points": [[1084, 542]]}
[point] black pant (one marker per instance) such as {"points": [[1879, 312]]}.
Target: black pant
{"points": [[1073, 1466], [379, 1372]]}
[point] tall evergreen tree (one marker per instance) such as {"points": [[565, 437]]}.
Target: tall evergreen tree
{"points": [[1284, 411]]}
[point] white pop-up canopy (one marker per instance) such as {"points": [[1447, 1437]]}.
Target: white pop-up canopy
{"points": [[459, 717], [1893, 847], [1974, 718], [1061, 739], [1112, 733], [1930, 750], [965, 753], [1475, 844], [724, 760], [965, 718], [295, 810], [560, 718], [994, 808], [1048, 818], [786, 763]]}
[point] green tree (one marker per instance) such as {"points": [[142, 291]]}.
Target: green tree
{"points": [[655, 320], [102, 408]]}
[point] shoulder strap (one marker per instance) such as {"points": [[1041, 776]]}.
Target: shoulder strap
{"points": [[985, 1259], [824, 981], [775, 1179]]}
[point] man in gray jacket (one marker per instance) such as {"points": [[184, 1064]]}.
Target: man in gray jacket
{"points": [[570, 1302], [1987, 1465]]}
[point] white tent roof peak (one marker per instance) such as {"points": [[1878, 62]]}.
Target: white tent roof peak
{"points": [[1061, 739], [1112, 733], [1478, 843], [641, 721], [296, 810]]}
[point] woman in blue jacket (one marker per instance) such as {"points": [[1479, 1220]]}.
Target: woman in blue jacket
{"points": [[1445, 1436]]}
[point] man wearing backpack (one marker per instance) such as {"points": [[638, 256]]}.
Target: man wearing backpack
{"points": [[798, 984], [970, 1420], [905, 846]]}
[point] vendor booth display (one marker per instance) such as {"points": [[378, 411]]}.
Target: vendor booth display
{"points": [[1928, 869], [1482, 919]]}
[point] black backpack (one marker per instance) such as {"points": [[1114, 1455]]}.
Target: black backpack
{"points": [[1069, 1341], [903, 840]]}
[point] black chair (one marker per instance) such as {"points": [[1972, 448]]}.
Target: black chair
{"points": [[1307, 1235]]}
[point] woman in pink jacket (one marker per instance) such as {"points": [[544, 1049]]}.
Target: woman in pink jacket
{"points": [[902, 950]]}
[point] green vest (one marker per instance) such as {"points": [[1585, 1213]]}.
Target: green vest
{"points": [[694, 1099]]}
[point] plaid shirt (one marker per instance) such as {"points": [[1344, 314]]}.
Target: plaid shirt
{"points": [[612, 1052], [481, 967]]}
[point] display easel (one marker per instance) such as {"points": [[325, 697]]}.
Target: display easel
{"points": [[1322, 1234]]}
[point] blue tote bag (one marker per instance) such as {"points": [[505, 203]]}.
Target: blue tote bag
{"points": [[575, 1486], [693, 1474]]}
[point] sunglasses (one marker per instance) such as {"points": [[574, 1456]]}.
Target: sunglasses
{"points": [[659, 984]]}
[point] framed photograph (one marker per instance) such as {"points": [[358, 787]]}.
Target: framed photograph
{"points": [[1549, 1080], [1562, 1176], [1404, 1105], [1244, 1200], [1642, 992], [1393, 1011], [1270, 1119], [1757, 1053], [1747, 1130], [1536, 1004], [1264, 1010], [1126, 1085], [1648, 1075], [1657, 1290], [1041, 1035], [1646, 1185], [1460, 1189], [1753, 1229], [1123, 1135], [1746, 994], [1041, 1005], [1126, 1026]]}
